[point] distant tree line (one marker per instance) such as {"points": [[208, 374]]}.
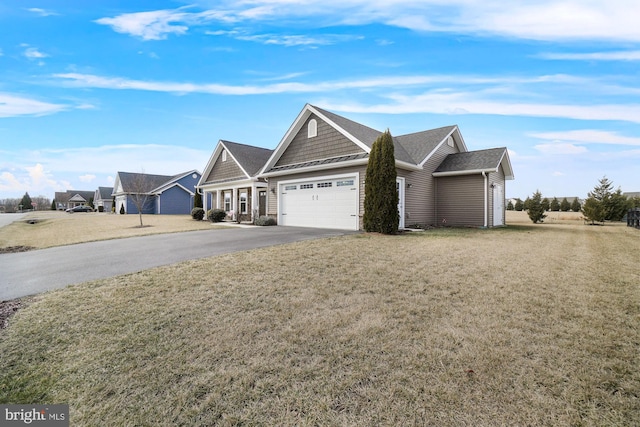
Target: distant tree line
{"points": [[602, 204], [25, 203]]}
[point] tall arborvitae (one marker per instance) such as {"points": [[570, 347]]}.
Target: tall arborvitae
{"points": [[197, 200], [381, 194]]}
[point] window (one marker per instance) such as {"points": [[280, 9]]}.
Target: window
{"points": [[324, 184], [243, 202], [224, 155], [312, 128], [344, 183], [227, 201], [306, 186], [290, 187]]}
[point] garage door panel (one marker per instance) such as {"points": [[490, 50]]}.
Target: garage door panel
{"points": [[327, 203]]}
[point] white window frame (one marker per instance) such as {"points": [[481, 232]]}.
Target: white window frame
{"points": [[226, 201], [224, 155], [243, 202]]}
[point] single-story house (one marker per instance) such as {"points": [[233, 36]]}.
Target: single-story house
{"points": [[72, 198], [230, 180], [315, 176], [157, 194], [103, 199]]}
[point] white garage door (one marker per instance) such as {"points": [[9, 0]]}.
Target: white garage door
{"points": [[325, 203]]}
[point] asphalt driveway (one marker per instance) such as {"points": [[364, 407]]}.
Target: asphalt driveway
{"points": [[29, 273]]}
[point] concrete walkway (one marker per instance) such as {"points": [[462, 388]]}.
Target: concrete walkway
{"points": [[29, 273]]}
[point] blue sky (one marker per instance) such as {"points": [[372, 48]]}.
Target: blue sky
{"points": [[91, 88]]}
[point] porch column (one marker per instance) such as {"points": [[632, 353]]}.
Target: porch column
{"points": [[205, 206], [254, 201], [234, 203]]}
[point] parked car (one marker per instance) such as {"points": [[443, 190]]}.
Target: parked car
{"points": [[83, 208]]}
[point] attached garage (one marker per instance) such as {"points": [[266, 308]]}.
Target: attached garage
{"points": [[328, 202]]}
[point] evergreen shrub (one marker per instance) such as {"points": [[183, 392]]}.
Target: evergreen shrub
{"points": [[216, 215], [265, 220], [197, 214]]}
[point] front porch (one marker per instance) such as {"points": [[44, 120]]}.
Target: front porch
{"points": [[242, 202]]}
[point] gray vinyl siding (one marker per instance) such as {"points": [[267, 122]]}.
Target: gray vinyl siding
{"points": [[460, 200], [222, 171], [327, 144], [420, 198]]}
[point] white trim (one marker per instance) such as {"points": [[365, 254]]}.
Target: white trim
{"points": [[401, 199], [293, 130], [355, 175], [486, 199], [352, 138], [466, 172], [459, 143]]}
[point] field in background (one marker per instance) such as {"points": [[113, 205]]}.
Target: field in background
{"points": [[522, 325], [54, 228]]}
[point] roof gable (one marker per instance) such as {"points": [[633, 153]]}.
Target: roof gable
{"points": [[242, 162], [104, 193], [476, 162], [141, 183], [249, 158]]}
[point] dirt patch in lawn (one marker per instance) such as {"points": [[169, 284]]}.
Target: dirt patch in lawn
{"points": [[14, 249], [8, 309]]}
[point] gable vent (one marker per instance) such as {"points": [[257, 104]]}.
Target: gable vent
{"points": [[450, 141], [312, 129]]}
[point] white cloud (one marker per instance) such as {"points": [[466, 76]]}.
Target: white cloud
{"points": [[560, 148], [13, 106], [33, 53], [538, 20], [42, 12], [286, 40], [505, 96], [8, 182], [477, 103], [589, 136], [159, 24], [87, 178], [621, 55]]}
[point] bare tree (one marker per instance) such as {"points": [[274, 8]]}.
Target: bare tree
{"points": [[138, 189]]}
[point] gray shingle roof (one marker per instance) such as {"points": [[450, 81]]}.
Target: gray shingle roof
{"points": [[251, 158], [105, 192], [410, 148], [418, 145], [142, 182], [363, 133], [481, 160]]}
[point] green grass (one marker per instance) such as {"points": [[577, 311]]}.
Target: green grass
{"points": [[532, 325]]}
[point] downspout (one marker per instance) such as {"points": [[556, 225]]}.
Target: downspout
{"points": [[486, 201]]}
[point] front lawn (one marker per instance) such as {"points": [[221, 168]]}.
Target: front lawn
{"points": [[526, 325]]}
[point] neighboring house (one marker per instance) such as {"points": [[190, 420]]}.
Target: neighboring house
{"points": [[230, 180], [315, 176], [162, 194], [72, 198], [103, 199]]}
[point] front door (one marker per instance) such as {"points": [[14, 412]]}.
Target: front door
{"points": [[262, 203], [498, 205]]}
